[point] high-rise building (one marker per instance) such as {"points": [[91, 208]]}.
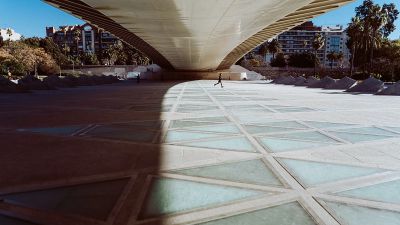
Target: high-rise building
{"points": [[90, 38], [299, 39]]}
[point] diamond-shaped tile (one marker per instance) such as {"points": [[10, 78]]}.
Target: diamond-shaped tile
{"points": [[94, 200], [383, 192], [253, 172], [283, 145], [65, 130], [177, 136], [306, 136], [354, 138], [287, 214], [326, 125], [219, 128], [264, 129], [314, 173], [166, 196], [233, 144], [357, 215], [368, 130]]}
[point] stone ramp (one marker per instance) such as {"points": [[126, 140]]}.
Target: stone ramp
{"points": [[342, 84], [324, 82], [370, 85], [393, 89]]}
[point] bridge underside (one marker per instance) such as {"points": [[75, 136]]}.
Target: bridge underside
{"points": [[196, 35]]}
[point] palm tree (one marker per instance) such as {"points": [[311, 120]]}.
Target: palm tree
{"points": [[317, 43], [305, 44], [263, 50], [64, 30], [77, 38], [378, 23], [355, 31], [274, 47], [331, 56], [339, 58]]}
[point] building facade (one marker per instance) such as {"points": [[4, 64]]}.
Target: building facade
{"points": [[299, 40], [81, 39]]}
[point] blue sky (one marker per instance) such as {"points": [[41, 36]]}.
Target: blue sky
{"points": [[30, 17]]}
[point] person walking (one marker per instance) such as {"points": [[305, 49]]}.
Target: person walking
{"points": [[138, 78], [219, 80]]}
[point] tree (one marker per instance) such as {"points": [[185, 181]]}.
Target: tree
{"points": [[317, 43], [1, 41], [274, 47], [89, 59], [263, 50], [305, 44], [77, 38], [355, 31], [378, 23], [388, 60], [279, 61], [332, 57], [302, 60], [54, 50], [339, 58]]}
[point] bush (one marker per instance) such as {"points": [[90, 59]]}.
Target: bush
{"points": [[279, 61], [303, 60]]}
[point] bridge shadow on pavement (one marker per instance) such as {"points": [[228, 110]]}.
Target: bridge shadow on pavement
{"points": [[83, 155]]}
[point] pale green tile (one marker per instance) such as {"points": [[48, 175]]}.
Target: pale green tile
{"points": [[306, 136], [234, 144], [282, 145], [210, 119], [94, 200], [220, 128], [121, 132], [368, 130], [166, 196], [354, 138], [358, 215], [314, 173], [299, 109], [64, 130], [287, 214], [396, 129], [287, 124], [264, 129], [326, 125], [187, 123], [253, 172], [384, 192], [177, 136]]}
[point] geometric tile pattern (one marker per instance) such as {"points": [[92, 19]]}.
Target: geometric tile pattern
{"points": [[287, 214], [324, 172], [192, 153], [252, 171], [355, 215], [94, 200], [168, 196], [384, 192]]}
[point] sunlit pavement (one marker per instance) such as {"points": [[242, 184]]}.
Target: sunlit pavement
{"points": [[191, 153]]}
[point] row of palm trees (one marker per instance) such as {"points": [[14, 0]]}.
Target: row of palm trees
{"points": [[368, 30], [317, 44]]}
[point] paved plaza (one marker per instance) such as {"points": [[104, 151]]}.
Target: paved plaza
{"points": [[250, 153]]}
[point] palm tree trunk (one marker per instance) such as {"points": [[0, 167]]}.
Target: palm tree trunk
{"points": [[315, 63], [352, 60]]}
